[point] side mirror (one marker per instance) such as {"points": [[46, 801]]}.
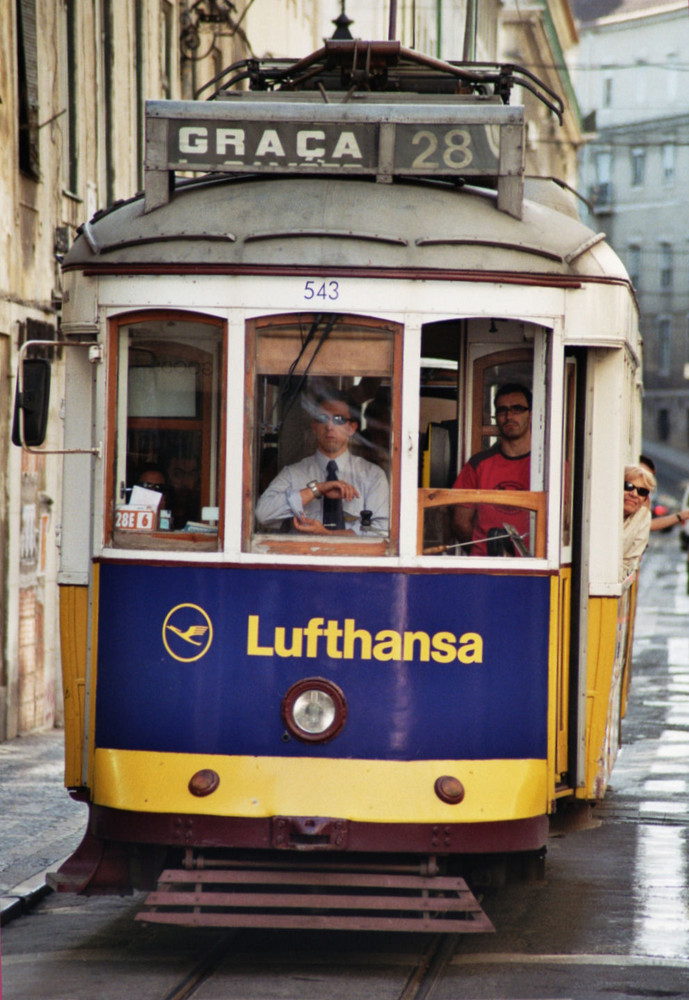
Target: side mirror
{"points": [[31, 404]]}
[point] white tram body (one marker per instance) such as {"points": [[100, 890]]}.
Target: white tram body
{"points": [[472, 693]]}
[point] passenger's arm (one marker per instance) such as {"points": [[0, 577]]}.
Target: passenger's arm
{"points": [[669, 520], [463, 520]]}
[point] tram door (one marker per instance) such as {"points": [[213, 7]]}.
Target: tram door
{"points": [[569, 578]]}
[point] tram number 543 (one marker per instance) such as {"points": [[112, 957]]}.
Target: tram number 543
{"points": [[322, 290]]}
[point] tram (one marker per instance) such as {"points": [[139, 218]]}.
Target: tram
{"points": [[273, 722]]}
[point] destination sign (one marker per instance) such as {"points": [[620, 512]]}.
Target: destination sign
{"points": [[233, 145], [273, 135]]}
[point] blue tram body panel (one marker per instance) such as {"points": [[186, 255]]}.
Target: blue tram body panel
{"points": [[197, 659]]}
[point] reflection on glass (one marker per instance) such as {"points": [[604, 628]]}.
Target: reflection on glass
{"points": [[322, 457], [505, 530], [168, 432]]}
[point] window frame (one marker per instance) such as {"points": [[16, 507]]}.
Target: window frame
{"points": [[253, 541], [638, 166], [664, 328], [167, 541], [665, 264]]}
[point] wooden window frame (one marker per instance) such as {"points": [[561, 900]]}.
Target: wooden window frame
{"points": [[479, 430], [169, 540], [519, 499], [318, 545]]}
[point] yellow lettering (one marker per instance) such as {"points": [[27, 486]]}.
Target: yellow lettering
{"points": [[312, 631], [295, 648], [388, 645], [332, 634], [350, 643], [352, 635], [470, 648], [424, 642], [252, 646], [444, 647]]}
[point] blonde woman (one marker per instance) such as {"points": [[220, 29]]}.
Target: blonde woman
{"points": [[639, 483]]}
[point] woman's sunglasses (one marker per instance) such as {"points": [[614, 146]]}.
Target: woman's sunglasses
{"points": [[641, 490]]}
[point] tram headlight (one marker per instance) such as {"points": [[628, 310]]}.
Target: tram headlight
{"points": [[314, 710]]}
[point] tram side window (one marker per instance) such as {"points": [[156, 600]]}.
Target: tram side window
{"points": [[471, 517], [167, 475], [319, 438]]}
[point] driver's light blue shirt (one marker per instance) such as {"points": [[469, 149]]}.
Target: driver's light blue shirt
{"points": [[282, 498]]}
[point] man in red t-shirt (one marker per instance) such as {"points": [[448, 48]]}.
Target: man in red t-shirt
{"points": [[505, 466]]}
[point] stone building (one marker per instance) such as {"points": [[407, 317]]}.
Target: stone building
{"points": [[630, 69], [73, 78]]}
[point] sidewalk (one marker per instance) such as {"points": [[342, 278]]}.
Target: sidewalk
{"points": [[39, 823]]}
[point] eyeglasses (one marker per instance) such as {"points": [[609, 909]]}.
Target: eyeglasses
{"points": [[514, 411], [335, 418], [641, 490], [156, 487]]}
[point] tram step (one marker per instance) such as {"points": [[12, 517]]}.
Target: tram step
{"points": [[315, 899]]}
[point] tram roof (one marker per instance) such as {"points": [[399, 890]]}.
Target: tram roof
{"points": [[341, 222]]}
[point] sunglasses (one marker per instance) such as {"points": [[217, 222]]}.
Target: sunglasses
{"points": [[157, 487], [335, 418], [503, 411], [641, 490]]}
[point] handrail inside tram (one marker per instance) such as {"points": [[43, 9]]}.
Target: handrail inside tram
{"points": [[530, 501]]}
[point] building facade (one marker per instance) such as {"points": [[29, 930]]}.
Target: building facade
{"points": [[74, 75], [630, 67]]}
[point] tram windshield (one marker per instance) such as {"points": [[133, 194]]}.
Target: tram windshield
{"points": [[166, 472], [319, 432]]}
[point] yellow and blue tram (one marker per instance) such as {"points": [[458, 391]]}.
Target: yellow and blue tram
{"points": [[251, 706]]}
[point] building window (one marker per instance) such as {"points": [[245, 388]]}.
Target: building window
{"points": [[664, 345], [71, 147], [668, 158], [663, 425], [638, 166], [607, 92], [27, 85], [634, 265], [640, 74], [671, 76], [166, 49], [139, 73], [603, 190], [665, 265]]}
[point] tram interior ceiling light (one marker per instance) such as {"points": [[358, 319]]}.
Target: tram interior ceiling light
{"points": [[314, 710], [217, 13]]}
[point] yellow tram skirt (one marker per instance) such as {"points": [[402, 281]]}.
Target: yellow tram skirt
{"points": [[371, 791]]}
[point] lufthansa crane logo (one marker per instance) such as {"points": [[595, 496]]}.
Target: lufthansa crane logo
{"points": [[187, 633]]}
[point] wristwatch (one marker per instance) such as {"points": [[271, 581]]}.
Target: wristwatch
{"points": [[313, 486]]}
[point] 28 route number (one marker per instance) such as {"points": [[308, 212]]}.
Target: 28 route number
{"points": [[454, 150], [326, 290]]}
